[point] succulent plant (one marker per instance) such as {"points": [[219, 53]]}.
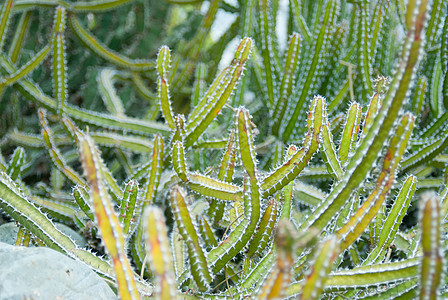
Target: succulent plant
{"points": [[296, 171]]}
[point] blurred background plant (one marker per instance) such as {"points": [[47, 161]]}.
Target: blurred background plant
{"points": [[266, 167]]}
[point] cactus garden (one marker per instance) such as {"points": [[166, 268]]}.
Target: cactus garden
{"points": [[300, 154]]}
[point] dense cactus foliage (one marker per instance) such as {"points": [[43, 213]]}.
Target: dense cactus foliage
{"points": [[314, 168]]}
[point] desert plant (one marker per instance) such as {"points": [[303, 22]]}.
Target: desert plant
{"points": [[291, 172]]}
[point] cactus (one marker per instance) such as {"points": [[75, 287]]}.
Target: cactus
{"points": [[292, 172]]}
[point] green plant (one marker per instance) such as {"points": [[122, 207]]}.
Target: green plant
{"points": [[211, 201]]}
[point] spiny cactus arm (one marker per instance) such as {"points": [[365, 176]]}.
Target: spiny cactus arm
{"points": [[340, 95], [225, 173], [240, 236], [31, 91], [199, 85], [55, 154], [16, 163], [432, 265], [16, 205], [436, 102], [393, 220], [102, 51], [178, 252], [19, 36], [212, 90], [179, 128], [144, 128], [159, 255], [23, 237], [114, 189], [194, 47], [370, 148], [435, 126], [438, 7], [267, 51], [27, 68], [102, 138], [95, 6], [5, 15], [350, 134], [213, 188], [364, 46], [74, 7], [285, 213], [143, 89], [257, 274], [217, 101], [353, 229], [332, 68], [81, 197], [418, 97], [285, 88], [202, 184], [328, 148], [298, 18], [365, 276], [264, 230], [314, 282], [56, 209], [127, 205], [208, 236], [246, 18], [285, 172], [425, 154], [128, 142], [381, 9], [245, 142], [163, 66], [3, 164], [374, 106], [444, 202], [313, 66], [199, 267], [106, 78], [109, 226], [444, 61], [20, 5], [297, 162], [178, 160], [33, 140], [280, 276], [405, 290], [155, 172], [59, 60]]}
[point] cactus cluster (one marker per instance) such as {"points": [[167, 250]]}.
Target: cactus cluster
{"points": [[295, 171]]}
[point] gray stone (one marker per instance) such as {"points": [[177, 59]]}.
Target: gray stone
{"points": [[43, 273], [8, 233]]}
